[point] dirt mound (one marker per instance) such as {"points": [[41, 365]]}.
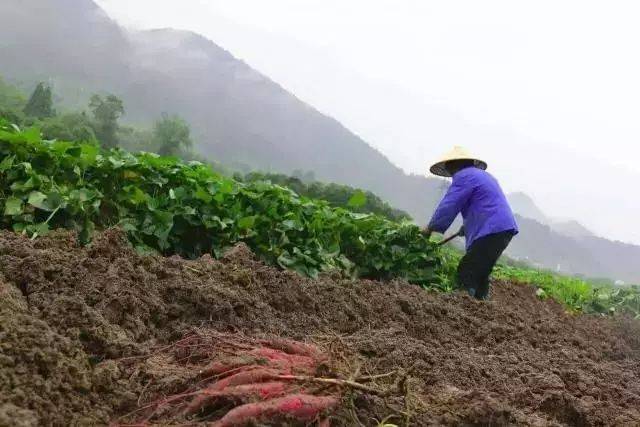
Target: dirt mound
{"points": [[69, 315]]}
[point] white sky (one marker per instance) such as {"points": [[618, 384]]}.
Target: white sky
{"points": [[548, 92]]}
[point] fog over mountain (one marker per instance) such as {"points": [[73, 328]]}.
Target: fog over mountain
{"points": [[526, 207], [553, 112], [243, 118]]}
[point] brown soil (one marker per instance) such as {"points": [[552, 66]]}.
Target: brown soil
{"points": [[76, 324]]}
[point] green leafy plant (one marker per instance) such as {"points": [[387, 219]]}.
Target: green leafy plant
{"points": [[185, 208], [172, 207], [336, 195], [575, 293]]}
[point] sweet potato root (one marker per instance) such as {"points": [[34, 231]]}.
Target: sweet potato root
{"points": [[243, 393], [265, 381], [230, 364], [299, 407], [292, 347], [245, 377], [285, 361]]}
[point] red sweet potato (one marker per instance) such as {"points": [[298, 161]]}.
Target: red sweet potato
{"points": [[243, 393], [221, 367], [284, 361], [294, 347], [300, 407], [245, 377]]}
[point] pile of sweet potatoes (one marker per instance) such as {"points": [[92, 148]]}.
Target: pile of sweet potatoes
{"points": [[238, 382]]}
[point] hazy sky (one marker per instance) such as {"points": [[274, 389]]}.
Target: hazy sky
{"points": [[548, 92]]}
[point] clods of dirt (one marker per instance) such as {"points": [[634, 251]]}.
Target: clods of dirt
{"points": [[77, 325]]}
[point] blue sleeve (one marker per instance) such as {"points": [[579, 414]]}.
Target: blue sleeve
{"points": [[457, 196]]}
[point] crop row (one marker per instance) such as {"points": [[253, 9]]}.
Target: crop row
{"points": [[172, 207]]}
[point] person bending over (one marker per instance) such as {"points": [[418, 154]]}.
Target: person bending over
{"points": [[488, 221]]}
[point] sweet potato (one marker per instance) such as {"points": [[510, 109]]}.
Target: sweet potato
{"points": [[243, 393], [230, 364], [299, 407], [293, 347], [284, 361], [245, 377]]}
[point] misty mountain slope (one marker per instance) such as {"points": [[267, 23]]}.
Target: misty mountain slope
{"points": [[572, 228], [242, 116], [585, 255], [61, 39], [524, 206], [238, 115], [540, 245], [622, 259]]}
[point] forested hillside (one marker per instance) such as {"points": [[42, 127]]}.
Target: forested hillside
{"points": [[239, 116]]}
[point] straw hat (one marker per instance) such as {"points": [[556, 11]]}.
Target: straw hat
{"points": [[458, 153]]}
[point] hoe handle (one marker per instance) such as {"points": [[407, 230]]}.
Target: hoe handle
{"points": [[450, 238]]}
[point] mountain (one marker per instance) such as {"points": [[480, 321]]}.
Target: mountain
{"points": [[568, 246], [241, 117], [541, 246], [585, 255], [572, 228], [524, 206], [238, 115]]}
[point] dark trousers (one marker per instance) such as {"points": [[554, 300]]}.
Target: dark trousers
{"points": [[476, 265]]}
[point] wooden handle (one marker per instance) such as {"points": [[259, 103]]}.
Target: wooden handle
{"points": [[448, 239]]}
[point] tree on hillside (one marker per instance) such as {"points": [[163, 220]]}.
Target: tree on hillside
{"points": [[172, 134], [106, 112], [306, 177], [136, 139], [40, 103], [11, 98], [69, 127]]}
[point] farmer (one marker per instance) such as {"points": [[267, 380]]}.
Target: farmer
{"points": [[488, 222]]}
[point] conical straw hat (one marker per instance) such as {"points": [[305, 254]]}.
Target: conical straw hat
{"points": [[458, 153]]}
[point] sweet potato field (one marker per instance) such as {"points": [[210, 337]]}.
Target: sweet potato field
{"points": [[95, 332], [171, 207]]}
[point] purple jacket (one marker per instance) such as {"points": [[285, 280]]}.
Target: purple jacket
{"points": [[477, 195]]}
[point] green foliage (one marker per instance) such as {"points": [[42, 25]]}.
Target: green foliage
{"points": [[577, 294], [188, 209], [337, 195], [358, 200], [306, 177], [12, 116], [447, 275], [11, 98], [40, 104], [75, 127], [173, 135], [135, 139], [106, 112]]}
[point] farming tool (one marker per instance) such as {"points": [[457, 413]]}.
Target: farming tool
{"points": [[460, 233]]}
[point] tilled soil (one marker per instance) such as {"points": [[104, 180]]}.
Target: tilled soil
{"points": [[75, 324]]}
